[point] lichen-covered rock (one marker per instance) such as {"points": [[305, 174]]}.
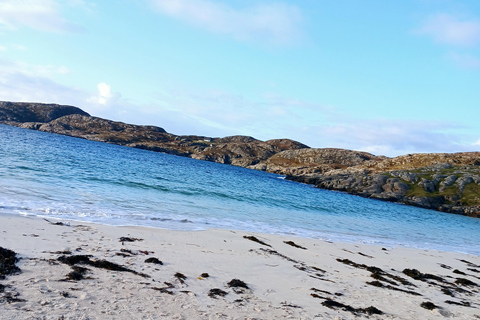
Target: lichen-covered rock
{"points": [[427, 187]]}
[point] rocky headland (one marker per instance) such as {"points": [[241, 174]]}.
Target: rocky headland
{"points": [[438, 181]]}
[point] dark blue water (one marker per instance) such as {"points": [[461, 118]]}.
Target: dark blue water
{"points": [[58, 176]]}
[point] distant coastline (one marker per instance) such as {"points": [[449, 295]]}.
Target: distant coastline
{"points": [[438, 181]]}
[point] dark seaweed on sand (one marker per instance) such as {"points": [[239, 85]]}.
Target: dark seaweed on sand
{"points": [[465, 282], [57, 223], [10, 297], [446, 287], [470, 264], [72, 260], [417, 275], [8, 259], [293, 244], [181, 277], [381, 285], [255, 239], [129, 239], [273, 252], [338, 305], [214, 293], [77, 274], [153, 260], [461, 303], [102, 264], [428, 305], [378, 273], [236, 283], [165, 289]]}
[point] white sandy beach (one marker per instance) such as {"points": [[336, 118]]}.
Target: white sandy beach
{"points": [[284, 281]]}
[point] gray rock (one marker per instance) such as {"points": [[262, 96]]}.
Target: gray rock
{"points": [[428, 185], [450, 180]]}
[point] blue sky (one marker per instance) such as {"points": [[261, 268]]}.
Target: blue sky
{"points": [[387, 77]]}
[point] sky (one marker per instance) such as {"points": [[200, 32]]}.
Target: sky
{"points": [[386, 77]]}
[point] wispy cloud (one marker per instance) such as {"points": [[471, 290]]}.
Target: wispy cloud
{"points": [[450, 30], [396, 137], [273, 22], [41, 15], [29, 83]]}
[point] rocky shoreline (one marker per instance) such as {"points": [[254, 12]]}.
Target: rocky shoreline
{"points": [[438, 181], [442, 187]]}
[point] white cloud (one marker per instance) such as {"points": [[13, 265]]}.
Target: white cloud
{"points": [[37, 14], [105, 97], [476, 143], [276, 23], [12, 67], [447, 29]]}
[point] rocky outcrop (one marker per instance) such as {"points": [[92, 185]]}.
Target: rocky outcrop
{"points": [[419, 160], [443, 187], [304, 161], [439, 181], [20, 112], [245, 151]]}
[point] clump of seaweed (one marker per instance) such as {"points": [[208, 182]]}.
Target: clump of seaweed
{"points": [[8, 259], [465, 282], [128, 239], [293, 244], [77, 274], [216, 292], [377, 273], [429, 305], [75, 259], [153, 260], [58, 223], [417, 275], [255, 239], [470, 264], [459, 272], [165, 289], [102, 264], [10, 297], [273, 252], [236, 283], [461, 303], [381, 285], [338, 305], [181, 277]]}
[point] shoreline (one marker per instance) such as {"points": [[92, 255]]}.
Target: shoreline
{"points": [[287, 277], [314, 235]]}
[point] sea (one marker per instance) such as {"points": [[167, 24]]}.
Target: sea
{"points": [[61, 177]]}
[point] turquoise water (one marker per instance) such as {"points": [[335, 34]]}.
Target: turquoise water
{"points": [[57, 176]]}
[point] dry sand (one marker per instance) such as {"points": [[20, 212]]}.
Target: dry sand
{"points": [[323, 280]]}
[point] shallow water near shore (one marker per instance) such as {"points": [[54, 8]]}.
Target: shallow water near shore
{"points": [[63, 177]]}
